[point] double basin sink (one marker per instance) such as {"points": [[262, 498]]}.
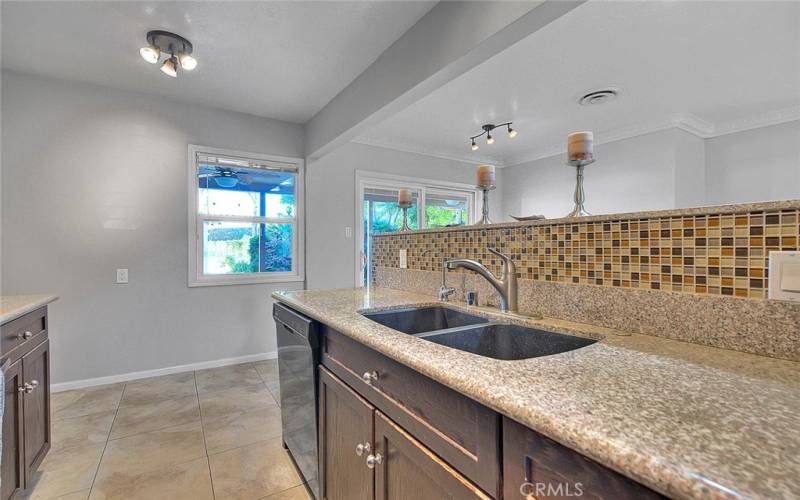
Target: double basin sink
{"points": [[476, 334]]}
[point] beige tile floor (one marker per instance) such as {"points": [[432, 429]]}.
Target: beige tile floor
{"points": [[212, 434]]}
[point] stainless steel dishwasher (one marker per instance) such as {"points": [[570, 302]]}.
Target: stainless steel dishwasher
{"points": [[298, 356]]}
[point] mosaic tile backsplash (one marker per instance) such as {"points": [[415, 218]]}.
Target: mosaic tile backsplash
{"points": [[703, 253]]}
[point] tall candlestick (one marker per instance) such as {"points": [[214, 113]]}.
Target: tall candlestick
{"points": [[580, 152], [486, 175]]}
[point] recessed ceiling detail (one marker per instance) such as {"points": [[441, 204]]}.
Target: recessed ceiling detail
{"points": [[178, 51], [598, 97]]}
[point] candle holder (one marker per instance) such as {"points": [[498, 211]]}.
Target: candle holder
{"points": [[405, 206], [580, 196], [485, 209]]}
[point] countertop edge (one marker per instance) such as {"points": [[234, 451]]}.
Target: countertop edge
{"points": [[27, 303]]}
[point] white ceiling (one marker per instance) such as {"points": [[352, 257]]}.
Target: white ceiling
{"points": [[707, 67], [282, 60]]}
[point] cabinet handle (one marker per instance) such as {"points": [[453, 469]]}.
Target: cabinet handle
{"points": [[24, 336], [370, 377], [34, 383], [373, 460], [361, 448], [27, 388]]}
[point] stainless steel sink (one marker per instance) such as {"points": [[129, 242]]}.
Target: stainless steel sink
{"points": [[415, 320], [508, 342]]}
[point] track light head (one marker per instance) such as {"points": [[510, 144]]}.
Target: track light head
{"points": [[511, 132], [187, 61], [489, 139], [150, 54], [474, 145], [170, 67]]}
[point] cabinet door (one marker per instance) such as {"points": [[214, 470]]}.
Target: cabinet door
{"points": [[406, 469], [36, 376], [537, 467], [345, 422], [12, 467]]}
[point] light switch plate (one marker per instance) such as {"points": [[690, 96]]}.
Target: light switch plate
{"points": [[403, 258], [122, 275], [784, 276], [348, 232]]}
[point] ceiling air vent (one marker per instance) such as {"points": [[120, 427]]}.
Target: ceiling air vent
{"points": [[598, 97]]}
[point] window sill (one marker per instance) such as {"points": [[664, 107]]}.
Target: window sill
{"points": [[259, 280]]}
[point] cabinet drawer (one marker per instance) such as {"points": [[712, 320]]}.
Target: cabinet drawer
{"points": [[461, 431], [537, 467], [30, 329]]}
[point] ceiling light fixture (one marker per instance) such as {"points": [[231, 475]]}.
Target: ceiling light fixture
{"points": [[177, 49], [487, 130]]}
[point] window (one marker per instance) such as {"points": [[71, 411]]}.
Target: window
{"points": [[245, 224], [436, 204]]}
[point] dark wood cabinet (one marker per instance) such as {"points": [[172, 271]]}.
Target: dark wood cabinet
{"points": [[538, 467], [26, 419], [407, 469], [36, 407], [345, 422], [13, 461], [366, 456], [463, 432]]}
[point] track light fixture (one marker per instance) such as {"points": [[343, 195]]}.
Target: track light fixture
{"points": [[487, 131], [177, 49]]}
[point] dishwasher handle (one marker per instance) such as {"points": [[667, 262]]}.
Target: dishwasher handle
{"points": [[296, 323]]}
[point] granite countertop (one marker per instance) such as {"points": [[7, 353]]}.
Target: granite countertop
{"points": [[686, 420], [14, 306]]}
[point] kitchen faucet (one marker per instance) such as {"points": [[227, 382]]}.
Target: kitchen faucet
{"points": [[506, 284], [444, 290]]}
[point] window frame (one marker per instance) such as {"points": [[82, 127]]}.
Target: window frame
{"points": [[366, 179], [196, 278]]}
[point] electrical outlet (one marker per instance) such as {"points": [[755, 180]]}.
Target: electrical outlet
{"points": [[122, 275], [403, 258], [784, 276]]}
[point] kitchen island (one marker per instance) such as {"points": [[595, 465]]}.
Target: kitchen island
{"points": [[684, 420]]}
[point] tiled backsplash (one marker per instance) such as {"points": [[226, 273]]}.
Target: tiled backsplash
{"points": [[717, 250]]}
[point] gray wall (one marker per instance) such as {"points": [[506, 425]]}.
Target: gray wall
{"points": [[330, 188], [95, 179], [662, 170], [635, 174], [757, 165]]}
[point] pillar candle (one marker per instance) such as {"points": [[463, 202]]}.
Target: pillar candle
{"points": [[486, 175], [404, 197], [580, 145]]}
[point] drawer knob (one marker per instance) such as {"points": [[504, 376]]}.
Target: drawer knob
{"points": [[27, 388], [24, 336], [370, 377], [373, 460], [361, 448]]}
